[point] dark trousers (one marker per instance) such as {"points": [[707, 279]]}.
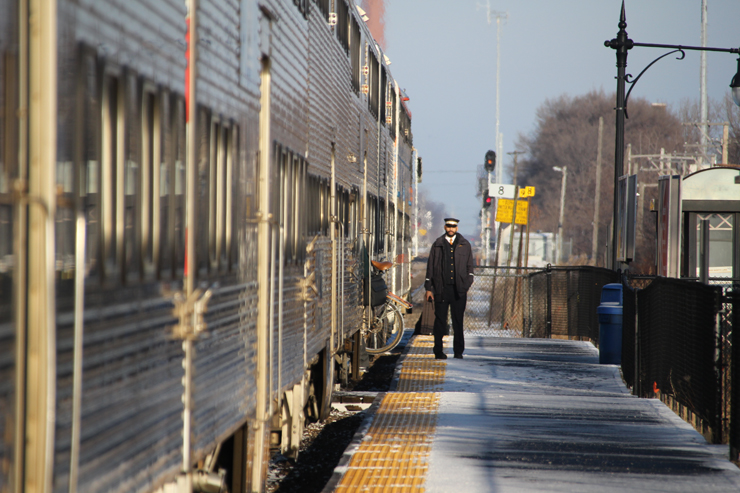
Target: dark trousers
{"points": [[455, 302]]}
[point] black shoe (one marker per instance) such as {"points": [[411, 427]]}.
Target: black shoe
{"points": [[440, 356], [458, 356]]}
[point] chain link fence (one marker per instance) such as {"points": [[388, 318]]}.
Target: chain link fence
{"points": [[499, 302], [532, 302]]}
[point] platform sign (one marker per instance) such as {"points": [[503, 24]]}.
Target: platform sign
{"points": [[522, 212], [525, 192], [501, 191], [505, 210]]}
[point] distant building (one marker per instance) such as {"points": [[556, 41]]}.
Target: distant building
{"points": [[541, 248]]}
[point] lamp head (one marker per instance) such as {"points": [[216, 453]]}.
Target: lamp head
{"points": [[735, 85]]}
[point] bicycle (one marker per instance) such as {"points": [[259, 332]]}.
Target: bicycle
{"points": [[385, 329]]}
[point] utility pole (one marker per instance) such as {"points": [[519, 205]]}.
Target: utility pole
{"points": [[490, 14], [516, 197], [597, 196], [559, 243], [704, 129]]}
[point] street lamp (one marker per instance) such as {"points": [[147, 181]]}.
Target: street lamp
{"points": [[622, 44], [735, 85], [563, 170]]}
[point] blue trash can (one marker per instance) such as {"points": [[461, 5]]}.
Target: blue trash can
{"points": [[610, 324]]}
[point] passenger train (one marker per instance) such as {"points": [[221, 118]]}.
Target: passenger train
{"points": [[190, 195]]}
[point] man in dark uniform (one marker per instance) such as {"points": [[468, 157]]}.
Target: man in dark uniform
{"points": [[449, 276]]}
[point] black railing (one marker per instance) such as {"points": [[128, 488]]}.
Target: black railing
{"points": [[564, 301], [734, 371], [676, 333], [679, 352]]}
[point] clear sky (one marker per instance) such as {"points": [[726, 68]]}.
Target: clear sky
{"points": [[443, 54]]}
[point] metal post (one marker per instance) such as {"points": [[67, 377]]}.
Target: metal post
{"points": [[597, 196], [333, 237], [548, 328], [190, 126], [621, 44], [637, 386], [704, 130], [559, 247], [526, 244], [704, 251], [263, 274]]}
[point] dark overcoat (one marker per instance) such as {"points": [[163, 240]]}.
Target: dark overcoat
{"points": [[464, 265]]}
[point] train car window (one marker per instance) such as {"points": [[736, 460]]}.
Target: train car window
{"points": [[374, 223], [346, 212], [407, 227], [178, 197], [300, 209], [324, 7], [370, 220], [391, 103], [355, 46], [89, 172], [373, 83], [384, 95], [302, 7], [203, 191], [65, 223], [64, 220], [163, 220], [354, 214], [294, 226], [310, 205], [230, 140], [150, 157], [285, 167], [110, 176], [8, 67], [215, 193], [392, 218], [404, 126], [342, 24], [8, 173], [324, 212], [131, 181]]}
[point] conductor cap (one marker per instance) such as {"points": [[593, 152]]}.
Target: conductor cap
{"points": [[451, 221]]}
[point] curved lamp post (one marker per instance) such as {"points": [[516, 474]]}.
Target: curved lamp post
{"points": [[622, 44]]}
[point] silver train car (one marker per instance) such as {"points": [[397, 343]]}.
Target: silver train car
{"points": [[190, 193]]}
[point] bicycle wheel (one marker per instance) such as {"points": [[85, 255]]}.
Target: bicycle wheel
{"points": [[386, 329]]}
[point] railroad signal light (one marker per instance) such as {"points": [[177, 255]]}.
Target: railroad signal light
{"points": [[490, 162], [487, 199]]}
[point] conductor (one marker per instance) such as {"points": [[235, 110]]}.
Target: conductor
{"points": [[449, 276]]}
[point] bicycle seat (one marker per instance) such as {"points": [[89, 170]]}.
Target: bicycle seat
{"points": [[381, 266]]}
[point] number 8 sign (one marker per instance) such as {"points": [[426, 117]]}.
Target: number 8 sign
{"points": [[501, 191]]}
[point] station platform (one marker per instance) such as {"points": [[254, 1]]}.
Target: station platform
{"points": [[523, 415]]}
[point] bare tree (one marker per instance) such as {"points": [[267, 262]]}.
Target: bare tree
{"points": [[430, 218], [565, 134]]}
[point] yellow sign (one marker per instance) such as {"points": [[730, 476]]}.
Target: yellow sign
{"points": [[505, 210], [522, 212], [525, 192]]}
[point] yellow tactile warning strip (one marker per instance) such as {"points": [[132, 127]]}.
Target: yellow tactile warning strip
{"points": [[420, 372], [393, 455]]}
